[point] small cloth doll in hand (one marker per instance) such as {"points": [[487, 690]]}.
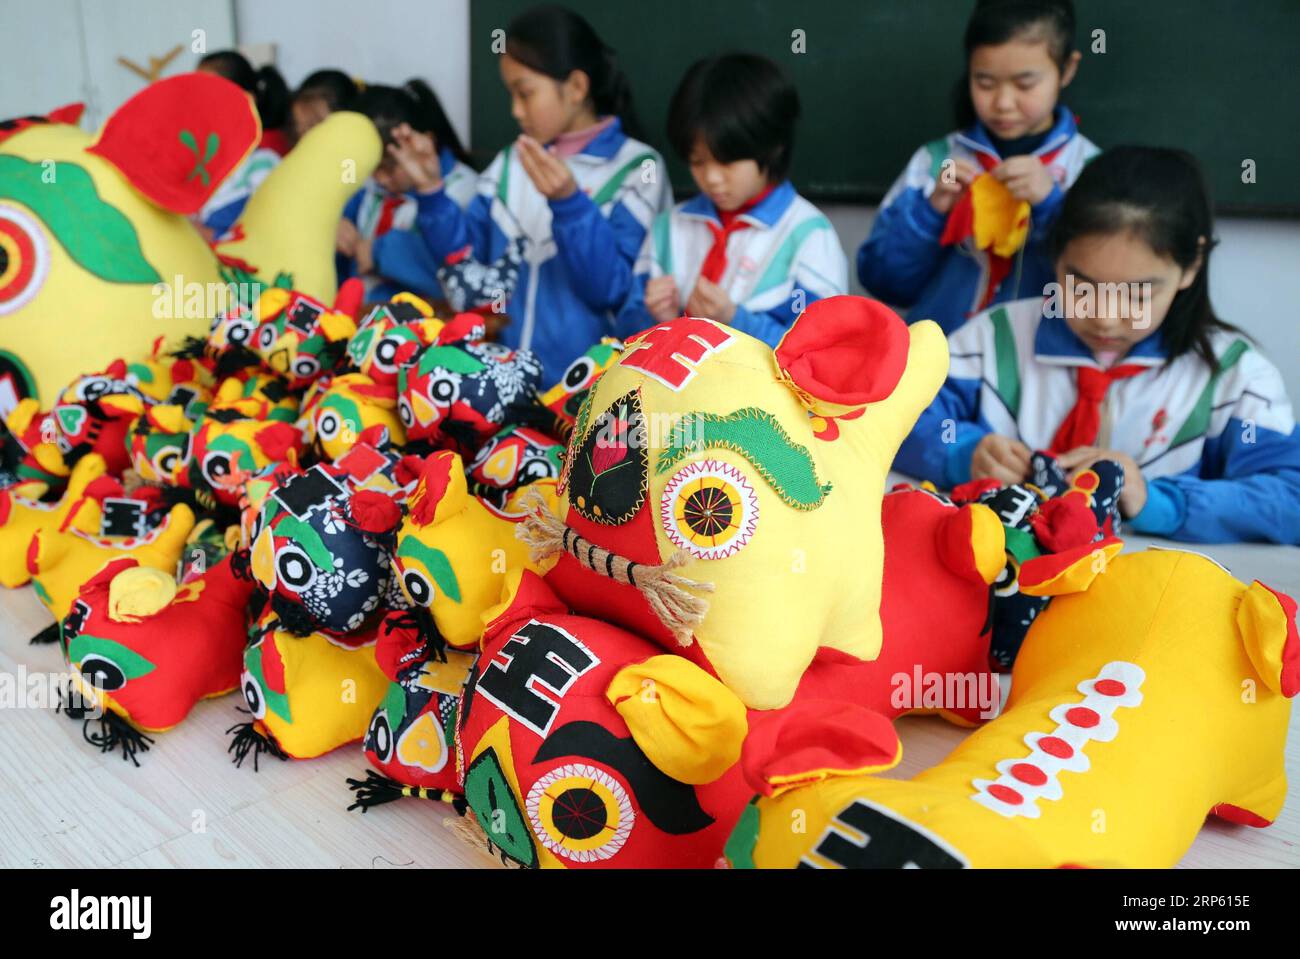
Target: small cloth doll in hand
{"points": [[1056, 529]]}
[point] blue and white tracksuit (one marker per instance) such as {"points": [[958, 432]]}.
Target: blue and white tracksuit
{"points": [[788, 258], [1220, 453], [578, 252], [402, 261], [903, 264]]}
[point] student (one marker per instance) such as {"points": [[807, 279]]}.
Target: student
{"points": [[271, 96], [322, 93], [377, 239], [574, 187], [748, 251], [1108, 367], [1019, 57]]}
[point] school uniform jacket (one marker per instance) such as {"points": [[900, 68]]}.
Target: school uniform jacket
{"points": [[402, 261], [1220, 452], [903, 264], [578, 252], [788, 258]]}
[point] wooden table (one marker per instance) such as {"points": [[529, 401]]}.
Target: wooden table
{"points": [[62, 803]]}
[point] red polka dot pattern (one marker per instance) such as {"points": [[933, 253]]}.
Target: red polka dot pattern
{"points": [[1083, 717]]}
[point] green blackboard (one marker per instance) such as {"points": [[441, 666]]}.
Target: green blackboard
{"points": [[876, 78]]}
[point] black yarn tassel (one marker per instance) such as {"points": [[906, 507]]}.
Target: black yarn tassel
{"points": [[191, 348], [376, 789], [114, 732], [420, 619], [247, 740], [50, 634], [294, 619]]}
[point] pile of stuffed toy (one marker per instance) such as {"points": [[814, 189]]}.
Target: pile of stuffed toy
{"points": [[648, 616]]}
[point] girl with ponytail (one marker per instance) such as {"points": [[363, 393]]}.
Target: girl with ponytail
{"points": [[575, 190], [376, 238]]}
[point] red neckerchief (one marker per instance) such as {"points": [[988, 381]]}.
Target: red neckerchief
{"points": [[960, 225], [715, 264], [1082, 424], [386, 210], [277, 141]]}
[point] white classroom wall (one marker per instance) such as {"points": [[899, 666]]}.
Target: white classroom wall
{"points": [[383, 41]]}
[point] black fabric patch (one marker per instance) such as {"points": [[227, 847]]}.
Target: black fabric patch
{"points": [[300, 494], [889, 843], [123, 517], [303, 316], [540, 657], [608, 480], [404, 312]]}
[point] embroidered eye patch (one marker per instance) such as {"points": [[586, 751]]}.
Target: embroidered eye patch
{"points": [[709, 509]]}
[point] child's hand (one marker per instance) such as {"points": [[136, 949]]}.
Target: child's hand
{"points": [[950, 185], [417, 154], [346, 238], [1026, 178], [1001, 458], [551, 175], [1134, 494], [710, 302], [364, 255], [662, 299]]}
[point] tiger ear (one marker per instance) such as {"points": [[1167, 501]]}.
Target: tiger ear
{"points": [[972, 543], [271, 303], [1266, 620], [1070, 571], [692, 727], [337, 326], [178, 139], [374, 512], [423, 308], [278, 440], [816, 740], [843, 353], [441, 491], [462, 327], [169, 418], [121, 406], [350, 298]]}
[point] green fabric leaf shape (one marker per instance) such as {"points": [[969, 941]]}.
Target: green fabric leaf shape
{"points": [[94, 233], [276, 700], [449, 358], [756, 435], [302, 533], [436, 562], [394, 705], [131, 663]]}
